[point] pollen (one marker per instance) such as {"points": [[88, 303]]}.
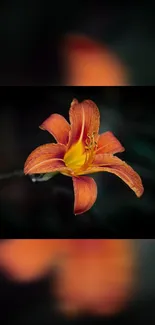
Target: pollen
{"points": [[90, 147], [90, 141]]}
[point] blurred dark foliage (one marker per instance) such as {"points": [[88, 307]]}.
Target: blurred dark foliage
{"points": [[34, 302], [28, 303], [45, 209], [31, 32]]}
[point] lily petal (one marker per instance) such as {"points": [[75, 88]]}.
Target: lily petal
{"points": [[121, 169], [106, 160], [57, 125], [85, 191], [84, 119], [46, 158], [108, 143]]}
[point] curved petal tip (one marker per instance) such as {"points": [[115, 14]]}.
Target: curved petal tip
{"points": [[45, 159], [85, 191], [58, 126]]}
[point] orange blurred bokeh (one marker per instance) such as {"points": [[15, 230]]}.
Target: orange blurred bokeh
{"points": [[28, 259], [97, 276], [88, 63]]}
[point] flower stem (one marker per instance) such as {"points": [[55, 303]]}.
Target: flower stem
{"points": [[16, 173], [42, 177]]}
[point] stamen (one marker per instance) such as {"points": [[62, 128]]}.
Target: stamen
{"points": [[90, 148]]}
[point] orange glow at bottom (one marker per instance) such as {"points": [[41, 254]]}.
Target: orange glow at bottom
{"points": [[97, 276]]}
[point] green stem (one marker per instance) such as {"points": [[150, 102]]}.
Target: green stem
{"points": [[43, 177], [16, 173], [34, 177]]}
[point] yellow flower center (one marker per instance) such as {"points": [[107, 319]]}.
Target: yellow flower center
{"points": [[75, 156], [80, 156]]}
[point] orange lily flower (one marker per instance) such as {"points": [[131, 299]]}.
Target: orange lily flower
{"points": [[81, 150]]}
